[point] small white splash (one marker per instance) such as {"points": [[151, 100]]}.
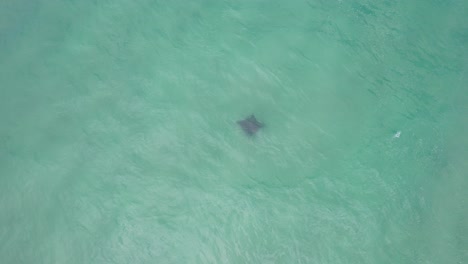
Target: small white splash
{"points": [[397, 134]]}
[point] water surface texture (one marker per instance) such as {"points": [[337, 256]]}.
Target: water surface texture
{"points": [[119, 142]]}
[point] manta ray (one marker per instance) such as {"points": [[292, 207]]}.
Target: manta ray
{"points": [[250, 125]]}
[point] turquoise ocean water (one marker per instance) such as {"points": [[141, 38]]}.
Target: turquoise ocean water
{"points": [[119, 142]]}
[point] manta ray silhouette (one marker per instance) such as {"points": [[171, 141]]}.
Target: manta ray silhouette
{"points": [[250, 125]]}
